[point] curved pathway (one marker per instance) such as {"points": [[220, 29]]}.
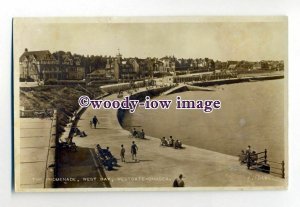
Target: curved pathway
{"points": [[158, 166]]}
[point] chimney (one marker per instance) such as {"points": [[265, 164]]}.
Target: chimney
{"points": [[26, 50]]}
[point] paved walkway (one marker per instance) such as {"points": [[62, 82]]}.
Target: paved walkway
{"points": [[157, 166], [34, 151]]}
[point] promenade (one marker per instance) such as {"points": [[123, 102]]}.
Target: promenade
{"points": [[35, 152], [157, 166]]}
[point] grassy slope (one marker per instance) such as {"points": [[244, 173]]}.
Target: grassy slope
{"points": [[62, 98]]}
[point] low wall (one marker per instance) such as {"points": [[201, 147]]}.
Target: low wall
{"points": [[141, 97], [115, 88], [237, 80], [51, 160]]}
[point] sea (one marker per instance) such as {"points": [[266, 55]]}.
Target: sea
{"points": [[251, 113]]}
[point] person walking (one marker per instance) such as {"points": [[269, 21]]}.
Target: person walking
{"points": [[134, 150], [122, 153], [95, 121], [178, 182]]}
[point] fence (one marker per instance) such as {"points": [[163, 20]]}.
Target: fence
{"points": [[259, 161], [46, 113], [51, 170], [203, 77], [280, 168]]}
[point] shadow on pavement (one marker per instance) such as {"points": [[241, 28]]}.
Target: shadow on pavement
{"points": [[80, 170]]}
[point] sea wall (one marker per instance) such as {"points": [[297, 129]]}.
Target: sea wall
{"points": [[151, 92], [236, 80], [115, 88]]}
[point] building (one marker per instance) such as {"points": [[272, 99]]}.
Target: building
{"points": [[116, 70], [42, 65], [219, 65], [75, 73], [158, 66], [133, 62], [232, 67], [126, 69], [98, 74], [38, 65], [245, 65], [256, 66], [73, 68], [168, 64]]}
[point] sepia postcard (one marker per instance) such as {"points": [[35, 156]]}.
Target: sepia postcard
{"points": [[150, 103]]}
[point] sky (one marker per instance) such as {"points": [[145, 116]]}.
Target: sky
{"points": [[252, 41]]}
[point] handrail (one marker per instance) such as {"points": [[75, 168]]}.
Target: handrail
{"points": [[276, 173], [39, 113], [277, 168], [251, 159], [275, 162]]}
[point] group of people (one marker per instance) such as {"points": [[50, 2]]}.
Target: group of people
{"points": [[133, 150], [248, 157], [106, 157], [76, 132], [109, 161], [137, 134], [170, 142]]}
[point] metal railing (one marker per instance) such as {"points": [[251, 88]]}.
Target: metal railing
{"points": [[259, 161], [279, 169]]}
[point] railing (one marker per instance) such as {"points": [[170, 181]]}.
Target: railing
{"points": [[263, 157], [280, 168], [259, 161], [46, 113], [204, 77], [51, 167]]}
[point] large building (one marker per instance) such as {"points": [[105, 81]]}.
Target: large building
{"points": [[42, 65], [38, 65], [126, 69], [167, 64]]}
